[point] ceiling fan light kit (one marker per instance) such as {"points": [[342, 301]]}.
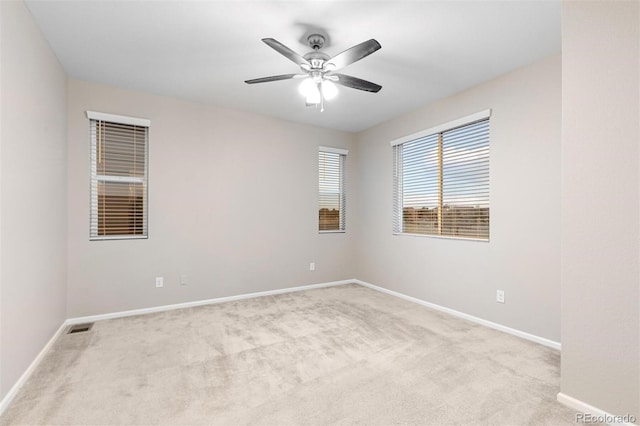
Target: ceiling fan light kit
{"points": [[318, 69], [314, 92]]}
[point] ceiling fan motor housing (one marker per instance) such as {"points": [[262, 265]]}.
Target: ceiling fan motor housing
{"points": [[315, 57]]}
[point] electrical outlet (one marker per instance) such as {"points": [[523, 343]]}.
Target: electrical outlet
{"points": [[312, 266], [159, 282], [184, 279], [500, 296]]}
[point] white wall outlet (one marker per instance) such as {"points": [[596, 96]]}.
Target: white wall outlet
{"points": [[500, 296], [312, 266], [184, 279], [159, 282]]}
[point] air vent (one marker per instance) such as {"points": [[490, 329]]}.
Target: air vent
{"points": [[80, 328]]}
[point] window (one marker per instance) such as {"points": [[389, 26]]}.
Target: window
{"points": [[331, 189], [441, 180], [119, 147]]}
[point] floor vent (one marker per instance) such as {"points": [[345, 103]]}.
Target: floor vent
{"points": [[80, 328]]}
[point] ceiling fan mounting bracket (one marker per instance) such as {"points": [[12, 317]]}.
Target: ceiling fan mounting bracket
{"points": [[316, 41]]}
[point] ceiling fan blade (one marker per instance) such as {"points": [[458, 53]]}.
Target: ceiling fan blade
{"points": [[273, 78], [356, 83], [354, 53], [285, 51]]}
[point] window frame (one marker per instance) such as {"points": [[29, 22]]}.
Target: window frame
{"points": [[397, 199], [342, 197], [95, 117]]}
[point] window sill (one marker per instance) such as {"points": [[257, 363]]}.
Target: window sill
{"points": [[119, 237], [443, 237]]}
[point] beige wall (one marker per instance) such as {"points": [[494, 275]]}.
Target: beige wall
{"points": [[32, 193], [600, 196], [523, 256], [232, 204]]}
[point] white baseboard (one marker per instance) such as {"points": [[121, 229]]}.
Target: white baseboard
{"points": [[505, 329], [29, 371], [121, 314], [601, 415]]}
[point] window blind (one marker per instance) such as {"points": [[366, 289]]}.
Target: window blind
{"points": [[441, 183], [118, 179], [331, 185]]}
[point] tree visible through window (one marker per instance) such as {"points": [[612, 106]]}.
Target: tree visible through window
{"points": [[331, 189], [118, 176], [441, 182]]}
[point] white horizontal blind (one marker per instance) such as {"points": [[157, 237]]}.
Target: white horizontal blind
{"points": [[331, 194], [441, 183], [465, 185], [398, 189], [118, 180]]}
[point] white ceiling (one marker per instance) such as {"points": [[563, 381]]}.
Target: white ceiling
{"points": [[204, 50]]}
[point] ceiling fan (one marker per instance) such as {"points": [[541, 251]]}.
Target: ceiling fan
{"points": [[318, 69]]}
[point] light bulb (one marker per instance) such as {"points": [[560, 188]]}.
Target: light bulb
{"points": [[306, 87], [329, 90], [309, 89], [313, 97]]}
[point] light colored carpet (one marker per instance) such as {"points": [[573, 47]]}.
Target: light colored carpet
{"points": [[337, 355]]}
